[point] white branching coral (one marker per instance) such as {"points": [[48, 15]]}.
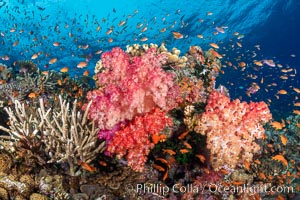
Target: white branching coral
{"points": [[58, 135], [69, 136]]}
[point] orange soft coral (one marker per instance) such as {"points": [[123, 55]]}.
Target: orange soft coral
{"points": [[231, 128]]}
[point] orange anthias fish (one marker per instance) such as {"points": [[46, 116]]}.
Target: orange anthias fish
{"points": [[64, 70], [34, 56], [297, 112], [278, 125], [177, 35], [214, 45], [87, 167], [283, 139], [169, 151], [52, 61], [82, 64], [281, 159], [282, 92]]}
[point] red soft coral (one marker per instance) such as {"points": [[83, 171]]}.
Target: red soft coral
{"points": [[130, 86], [231, 128], [133, 140]]}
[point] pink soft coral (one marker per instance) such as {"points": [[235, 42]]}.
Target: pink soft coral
{"points": [[231, 128], [130, 86], [133, 140]]}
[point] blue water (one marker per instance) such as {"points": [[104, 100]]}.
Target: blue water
{"points": [[273, 25]]}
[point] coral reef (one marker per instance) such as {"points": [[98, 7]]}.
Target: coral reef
{"points": [[154, 118]]}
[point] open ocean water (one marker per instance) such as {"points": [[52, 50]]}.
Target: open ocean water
{"points": [[265, 30]]}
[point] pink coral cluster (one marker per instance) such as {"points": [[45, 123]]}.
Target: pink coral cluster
{"points": [[133, 140], [130, 86], [231, 128]]}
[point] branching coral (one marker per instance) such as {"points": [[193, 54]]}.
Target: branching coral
{"points": [[64, 134], [69, 136], [231, 128]]}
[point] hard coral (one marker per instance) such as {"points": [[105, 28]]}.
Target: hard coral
{"points": [[133, 140], [129, 86], [231, 128]]}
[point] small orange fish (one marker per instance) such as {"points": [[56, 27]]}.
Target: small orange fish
{"points": [[169, 151], [201, 158], [247, 165], [187, 145], [155, 138], [242, 64], [182, 135], [86, 73], [144, 29], [59, 82], [284, 77], [282, 92], [163, 161], [56, 44], [257, 162], [64, 70], [262, 175], [34, 56], [258, 63], [122, 23], [278, 125], [283, 139], [98, 52], [98, 28], [45, 72], [184, 151], [214, 45], [52, 61], [166, 175], [82, 64], [296, 90], [238, 183], [16, 43], [239, 44], [87, 167], [216, 54], [158, 167], [163, 30], [281, 159], [297, 104], [177, 35], [32, 95], [297, 112], [144, 39], [110, 40], [109, 31], [102, 163]]}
